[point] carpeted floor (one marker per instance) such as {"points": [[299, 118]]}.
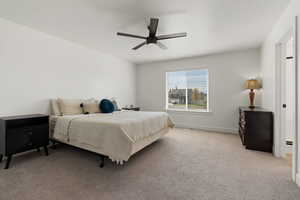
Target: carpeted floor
{"points": [[186, 164]]}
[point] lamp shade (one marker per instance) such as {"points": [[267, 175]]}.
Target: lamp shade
{"points": [[252, 84]]}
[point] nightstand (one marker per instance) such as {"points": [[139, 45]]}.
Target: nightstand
{"points": [[133, 108], [23, 133]]}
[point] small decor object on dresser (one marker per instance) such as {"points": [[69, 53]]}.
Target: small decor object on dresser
{"points": [[256, 128], [22, 133]]}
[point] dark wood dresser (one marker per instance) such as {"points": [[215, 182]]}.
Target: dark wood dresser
{"points": [[22, 133], [256, 128]]}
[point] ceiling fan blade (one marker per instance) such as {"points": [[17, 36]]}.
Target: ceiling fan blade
{"points": [[139, 46], [131, 35], [153, 26], [170, 36], [161, 45]]}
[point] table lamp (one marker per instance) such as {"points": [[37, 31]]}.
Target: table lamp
{"points": [[252, 84]]}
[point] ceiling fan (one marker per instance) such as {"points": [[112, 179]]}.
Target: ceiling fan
{"points": [[153, 38]]}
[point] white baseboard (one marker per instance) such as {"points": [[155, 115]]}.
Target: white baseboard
{"points": [[298, 179], [212, 129]]}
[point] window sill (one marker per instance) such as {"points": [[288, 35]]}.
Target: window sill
{"points": [[189, 111]]}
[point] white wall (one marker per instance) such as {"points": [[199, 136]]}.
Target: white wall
{"points": [[284, 24], [268, 64], [227, 71], [35, 67]]}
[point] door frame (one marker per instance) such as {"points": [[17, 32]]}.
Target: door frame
{"points": [[278, 136]]}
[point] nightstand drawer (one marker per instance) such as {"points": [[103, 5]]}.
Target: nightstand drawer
{"points": [[20, 123], [25, 138], [22, 133], [40, 135]]}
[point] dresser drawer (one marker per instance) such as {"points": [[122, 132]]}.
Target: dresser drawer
{"points": [[25, 138]]}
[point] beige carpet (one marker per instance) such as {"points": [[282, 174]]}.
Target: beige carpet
{"points": [[186, 164]]}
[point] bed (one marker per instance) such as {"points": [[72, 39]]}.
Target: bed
{"points": [[116, 135]]}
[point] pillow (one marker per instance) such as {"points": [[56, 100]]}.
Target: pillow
{"points": [[70, 106], [91, 107], [116, 107], [106, 106], [55, 107]]}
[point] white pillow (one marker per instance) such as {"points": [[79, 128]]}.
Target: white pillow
{"points": [[70, 106], [91, 107], [55, 108]]}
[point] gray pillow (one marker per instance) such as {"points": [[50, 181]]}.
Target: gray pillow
{"points": [[114, 102]]}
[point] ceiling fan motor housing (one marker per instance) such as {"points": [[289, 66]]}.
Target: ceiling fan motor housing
{"points": [[151, 40]]}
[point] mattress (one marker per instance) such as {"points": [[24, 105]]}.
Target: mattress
{"points": [[118, 135]]}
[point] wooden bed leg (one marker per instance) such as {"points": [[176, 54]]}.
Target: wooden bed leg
{"points": [[102, 161]]}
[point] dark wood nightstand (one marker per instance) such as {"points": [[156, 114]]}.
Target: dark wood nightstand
{"points": [[22, 133], [133, 108]]}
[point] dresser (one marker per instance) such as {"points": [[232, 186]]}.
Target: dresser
{"points": [[22, 133], [256, 128]]}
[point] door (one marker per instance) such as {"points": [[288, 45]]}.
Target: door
{"points": [[287, 100], [288, 96]]}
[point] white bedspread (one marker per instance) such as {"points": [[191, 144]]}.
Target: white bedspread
{"points": [[113, 133]]}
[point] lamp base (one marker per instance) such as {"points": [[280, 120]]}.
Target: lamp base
{"points": [[251, 97], [251, 107]]}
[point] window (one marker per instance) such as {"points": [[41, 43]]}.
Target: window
{"points": [[187, 90]]}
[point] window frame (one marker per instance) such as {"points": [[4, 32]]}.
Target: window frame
{"points": [[208, 110]]}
